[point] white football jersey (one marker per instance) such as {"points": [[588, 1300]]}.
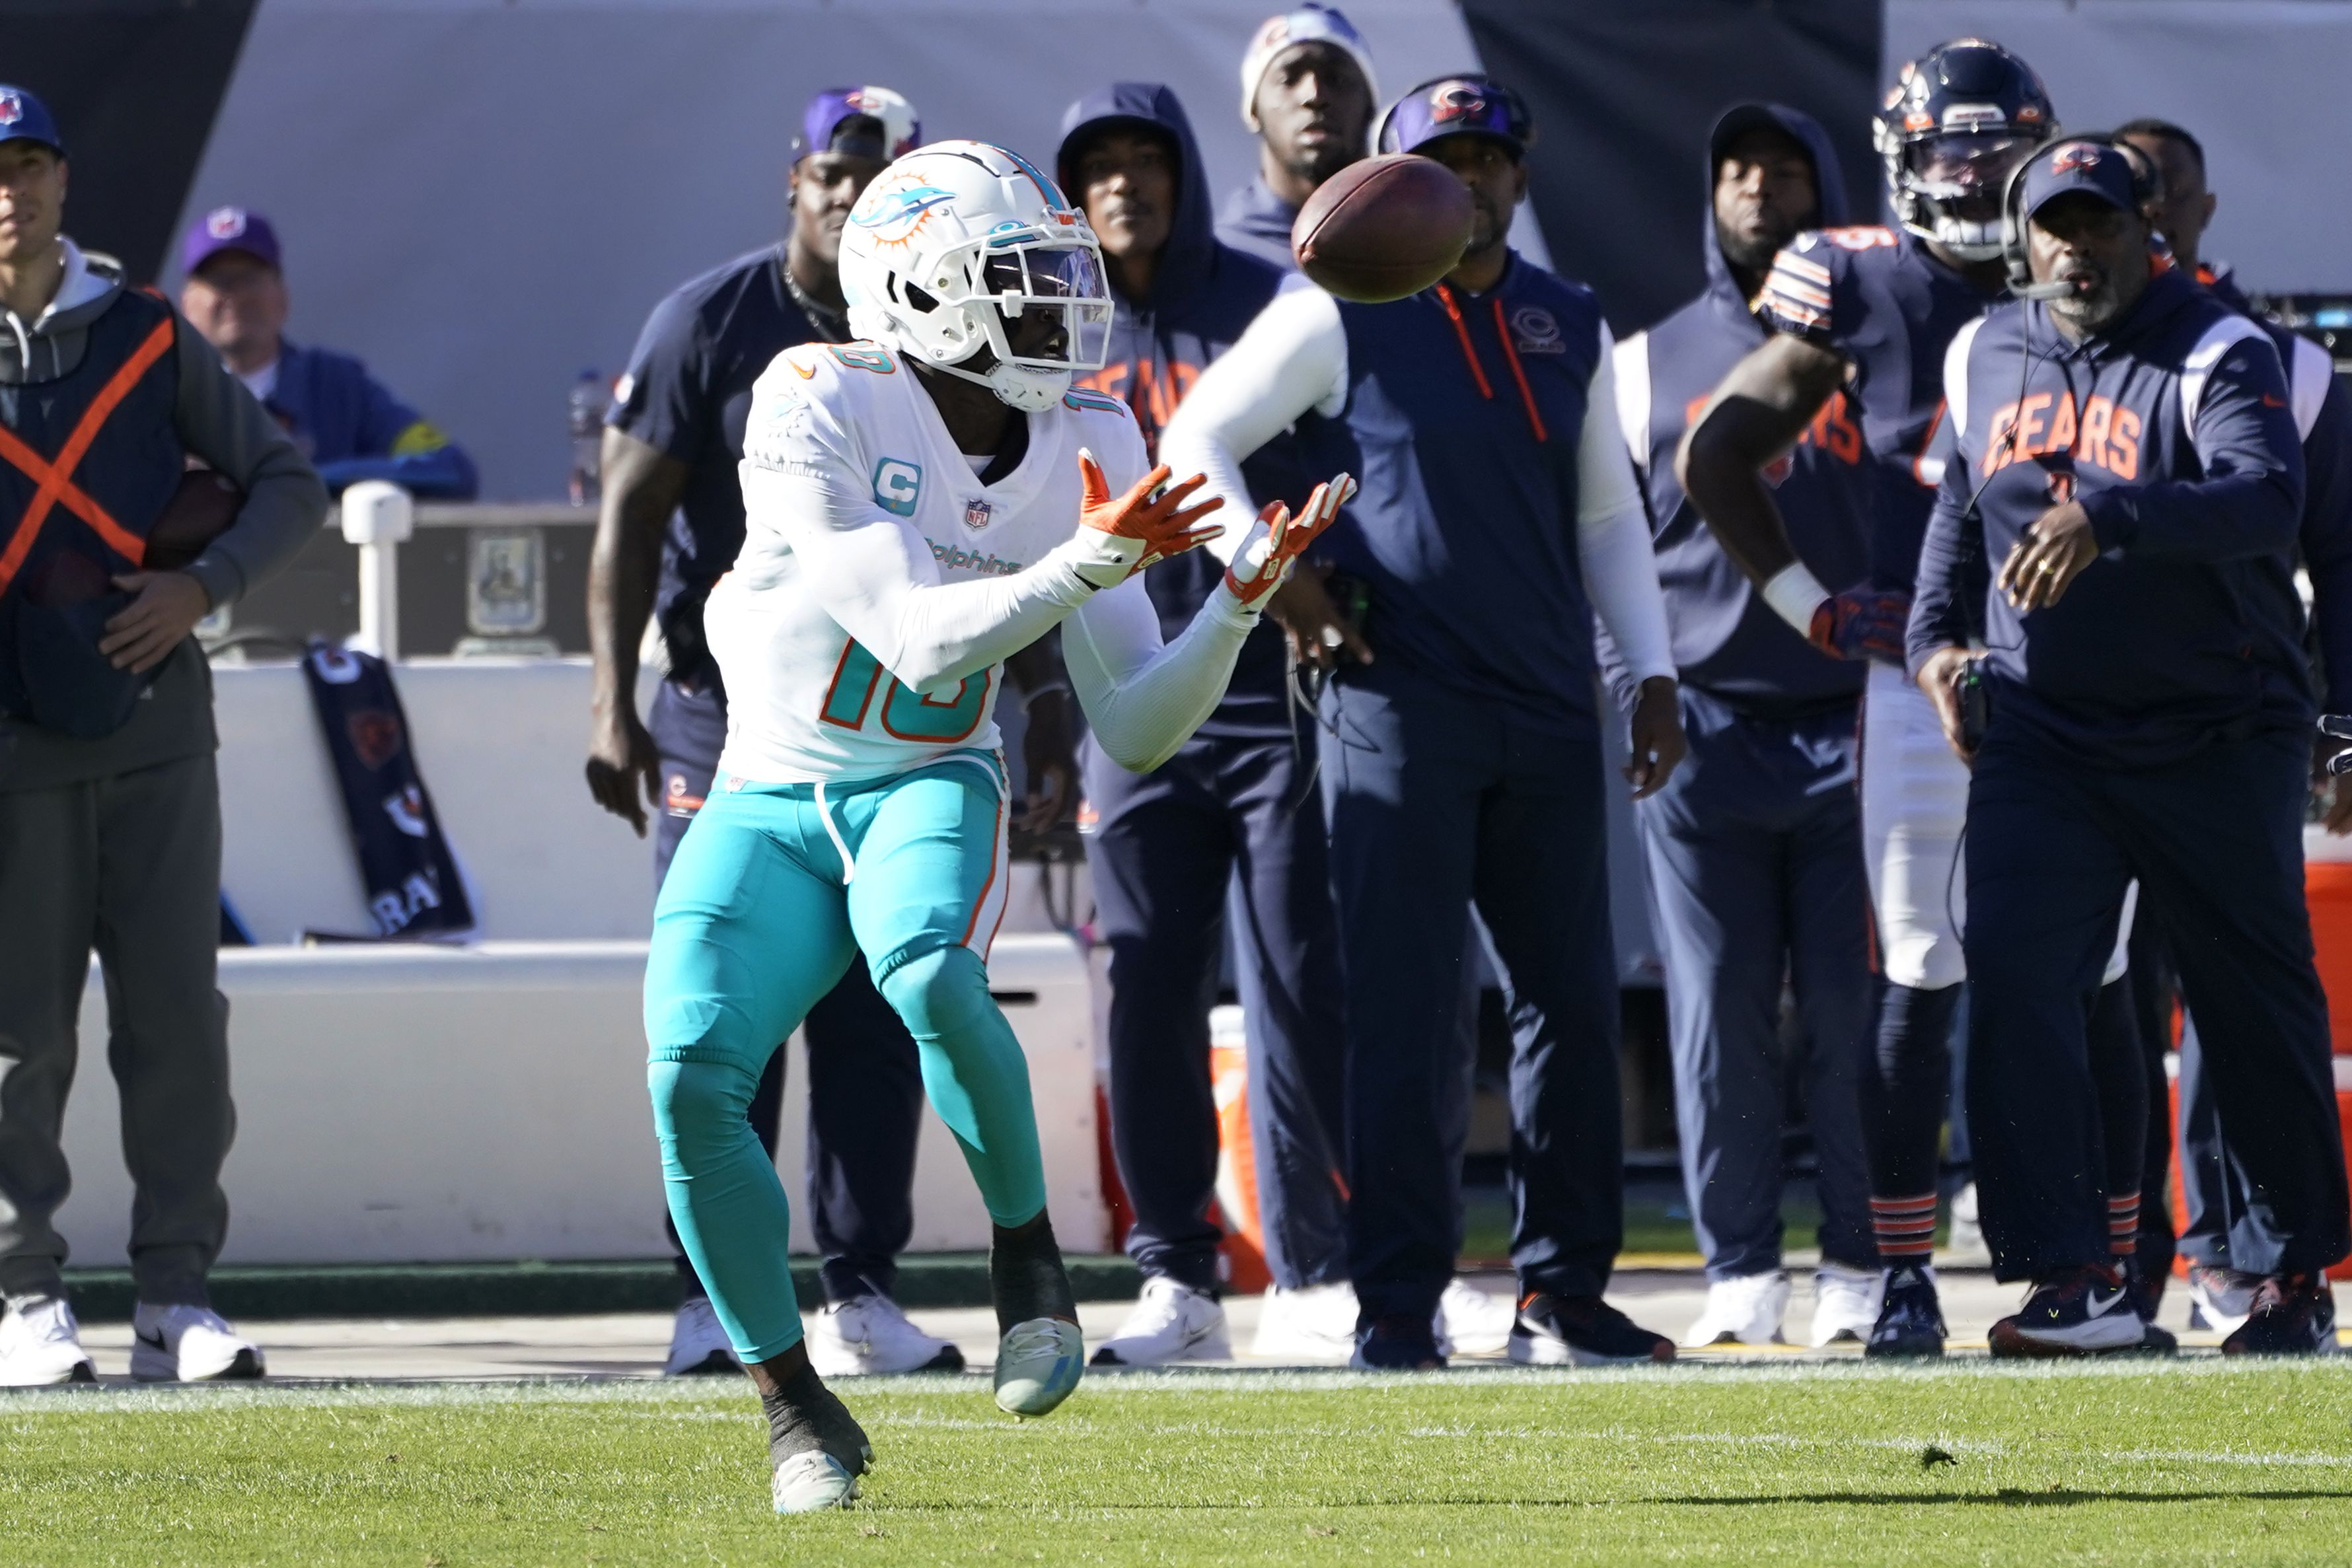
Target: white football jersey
{"points": [[805, 702]]}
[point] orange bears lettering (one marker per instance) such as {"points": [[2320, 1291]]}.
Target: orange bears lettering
{"points": [[1834, 429], [2099, 434]]}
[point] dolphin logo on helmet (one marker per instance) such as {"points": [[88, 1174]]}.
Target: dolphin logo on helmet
{"points": [[954, 244]]}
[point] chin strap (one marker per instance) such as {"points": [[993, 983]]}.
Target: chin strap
{"points": [[1009, 388]]}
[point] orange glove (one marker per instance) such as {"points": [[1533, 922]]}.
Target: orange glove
{"points": [[1117, 538], [1265, 558]]}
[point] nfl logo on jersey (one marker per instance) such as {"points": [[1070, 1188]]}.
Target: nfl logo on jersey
{"points": [[976, 515]]}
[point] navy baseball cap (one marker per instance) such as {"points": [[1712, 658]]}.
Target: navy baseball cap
{"points": [[228, 228], [1457, 106], [822, 124], [24, 118], [2093, 168]]}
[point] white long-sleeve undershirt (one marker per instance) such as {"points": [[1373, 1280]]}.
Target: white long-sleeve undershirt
{"points": [[1293, 359], [877, 578]]}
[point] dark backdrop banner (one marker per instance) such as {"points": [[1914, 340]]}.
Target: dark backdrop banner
{"points": [[1624, 95], [134, 85]]}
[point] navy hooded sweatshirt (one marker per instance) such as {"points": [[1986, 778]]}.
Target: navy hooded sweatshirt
{"points": [[1203, 295], [1727, 642], [2174, 430]]}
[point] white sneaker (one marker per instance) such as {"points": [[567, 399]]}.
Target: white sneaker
{"points": [[40, 1344], [1470, 1320], [1170, 1322], [869, 1336], [1965, 1247], [1746, 1310], [1312, 1324], [1845, 1304], [698, 1347], [189, 1345]]}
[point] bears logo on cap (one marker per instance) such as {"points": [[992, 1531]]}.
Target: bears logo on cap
{"points": [[12, 107], [2074, 156], [1456, 100], [224, 223]]}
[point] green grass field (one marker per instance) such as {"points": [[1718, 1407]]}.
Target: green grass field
{"points": [[2193, 1462]]}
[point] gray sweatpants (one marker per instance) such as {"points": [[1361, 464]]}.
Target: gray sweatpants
{"points": [[128, 865]]}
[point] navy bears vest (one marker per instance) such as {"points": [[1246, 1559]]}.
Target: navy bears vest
{"points": [[1462, 425], [88, 462]]}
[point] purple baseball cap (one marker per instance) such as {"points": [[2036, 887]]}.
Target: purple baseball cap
{"points": [[821, 123], [228, 228], [1463, 105], [2092, 167]]}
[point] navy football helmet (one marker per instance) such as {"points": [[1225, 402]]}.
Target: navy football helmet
{"points": [[1958, 120]]}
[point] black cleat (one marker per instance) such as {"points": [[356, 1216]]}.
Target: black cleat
{"points": [[1910, 1316], [1397, 1343], [2082, 1311], [1580, 1331], [2294, 1314]]}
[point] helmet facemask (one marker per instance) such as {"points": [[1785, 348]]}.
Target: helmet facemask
{"points": [[1949, 187], [1029, 305]]}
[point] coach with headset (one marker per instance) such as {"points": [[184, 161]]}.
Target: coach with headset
{"points": [[2127, 476]]}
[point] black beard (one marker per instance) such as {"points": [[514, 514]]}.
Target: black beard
{"points": [[1751, 255], [2091, 312]]}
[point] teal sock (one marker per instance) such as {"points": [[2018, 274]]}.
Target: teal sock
{"points": [[728, 1205], [977, 1079]]}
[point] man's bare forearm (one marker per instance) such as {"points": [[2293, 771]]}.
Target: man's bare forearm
{"points": [[641, 489], [1757, 412]]}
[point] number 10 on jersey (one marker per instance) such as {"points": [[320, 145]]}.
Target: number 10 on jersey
{"points": [[906, 714]]}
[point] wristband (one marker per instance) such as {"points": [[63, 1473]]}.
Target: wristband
{"points": [[1794, 593]]}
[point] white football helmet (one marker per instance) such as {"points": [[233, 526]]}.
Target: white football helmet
{"points": [[954, 244]]}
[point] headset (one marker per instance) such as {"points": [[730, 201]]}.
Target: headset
{"points": [[2146, 188]]}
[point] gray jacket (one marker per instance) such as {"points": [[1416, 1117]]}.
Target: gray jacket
{"points": [[218, 421]]}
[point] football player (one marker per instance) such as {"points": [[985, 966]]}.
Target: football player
{"points": [[1869, 311], [920, 503]]}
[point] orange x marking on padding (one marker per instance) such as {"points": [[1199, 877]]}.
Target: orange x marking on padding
{"points": [[55, 479]]}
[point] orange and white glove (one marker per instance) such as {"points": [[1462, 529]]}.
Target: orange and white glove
{"points": [[1274, 545], [1118, 537]]}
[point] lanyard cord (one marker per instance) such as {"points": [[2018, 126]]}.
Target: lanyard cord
{"points": [[1510, 356], [1446, 298], [1526, 397]]}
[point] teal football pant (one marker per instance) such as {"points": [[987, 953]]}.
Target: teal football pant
{"points": [[771, 888]]}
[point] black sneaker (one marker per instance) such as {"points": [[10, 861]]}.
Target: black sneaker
{"points": [[2294, 1314], [1580, 1331], [2081, 1310], [1910, 1316], [2219, 1298], [1399, 1344], [2147, 1288]]}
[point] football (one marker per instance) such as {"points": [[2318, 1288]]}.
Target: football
{"points": [[199, 512], [1382, 229]]}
